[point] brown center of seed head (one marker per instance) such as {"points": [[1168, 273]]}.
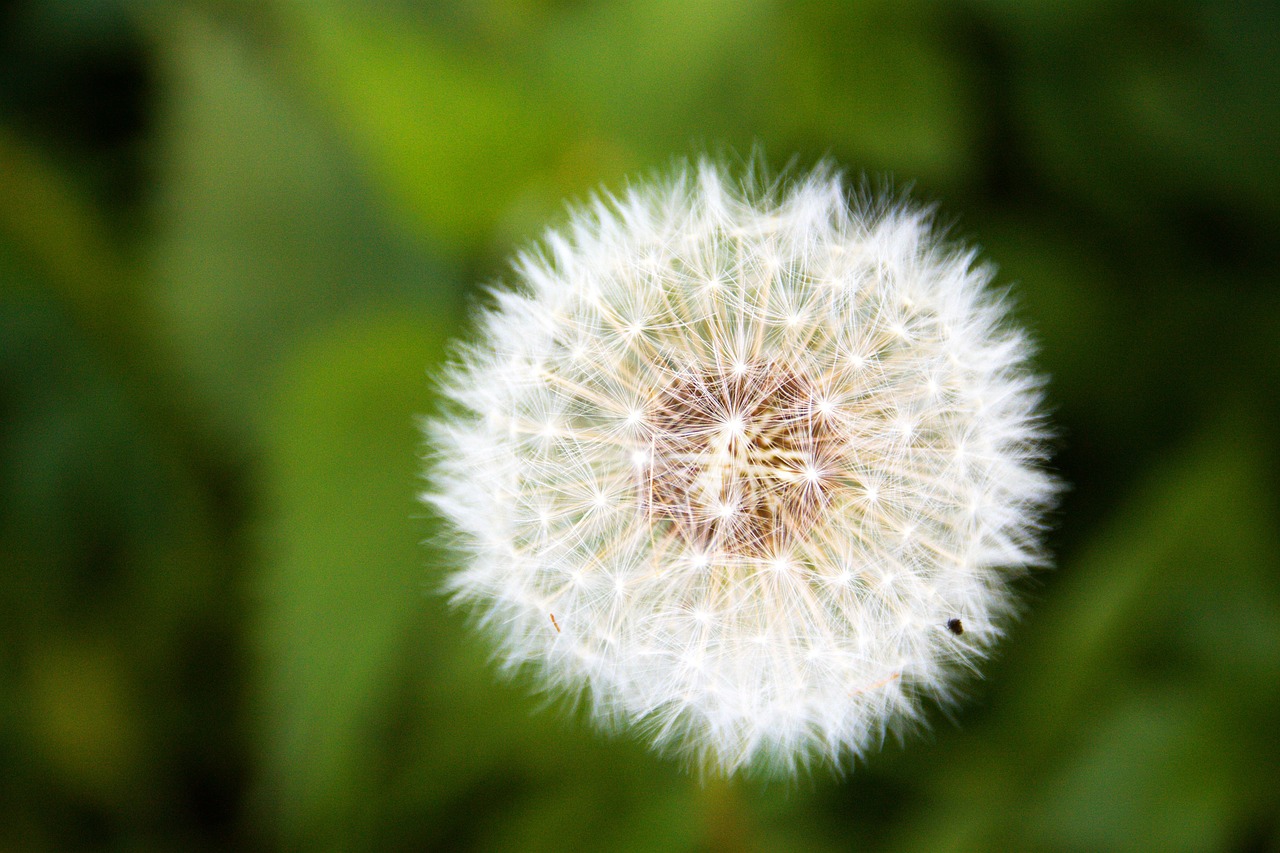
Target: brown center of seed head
{"points": [[742, 460]]}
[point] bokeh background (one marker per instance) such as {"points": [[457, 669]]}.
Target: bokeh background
{"points": [[235, 238]]}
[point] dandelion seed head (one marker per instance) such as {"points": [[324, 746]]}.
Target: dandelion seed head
{"points": [[760, 450]]}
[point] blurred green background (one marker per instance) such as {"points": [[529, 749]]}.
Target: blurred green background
{"points": [[236, 236]]}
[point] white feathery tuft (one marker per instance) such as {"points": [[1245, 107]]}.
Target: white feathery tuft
{"points": [[750, 467]]}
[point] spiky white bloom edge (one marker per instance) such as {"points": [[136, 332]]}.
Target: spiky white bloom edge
{"points": [[744, 660]]}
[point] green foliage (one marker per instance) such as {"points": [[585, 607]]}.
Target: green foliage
{"points": [[236, 238], [340, 555]]}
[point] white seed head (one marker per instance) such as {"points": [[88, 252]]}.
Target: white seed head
{"points": [[735, 462]]}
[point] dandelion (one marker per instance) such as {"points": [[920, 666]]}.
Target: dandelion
{"points": [[747, 466]]}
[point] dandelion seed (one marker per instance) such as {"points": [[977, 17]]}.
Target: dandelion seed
{"points": [[753, 444]]}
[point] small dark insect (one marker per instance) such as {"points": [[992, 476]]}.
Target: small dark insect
{"points": [[557, 624], [955, 626]]}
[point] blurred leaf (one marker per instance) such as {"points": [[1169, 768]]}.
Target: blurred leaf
{"points": [[56, 228], [1152, 778], [465, 139], [264, 229], [470, 760], [450, 136], [82, 718], [1130, 109], [341, 562], [1200, 526], [1062, 288], [109, 575], [878, 84], [661, 74]]}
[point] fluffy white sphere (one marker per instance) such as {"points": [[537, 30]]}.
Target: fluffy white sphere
{"points": [[750, 467]]}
